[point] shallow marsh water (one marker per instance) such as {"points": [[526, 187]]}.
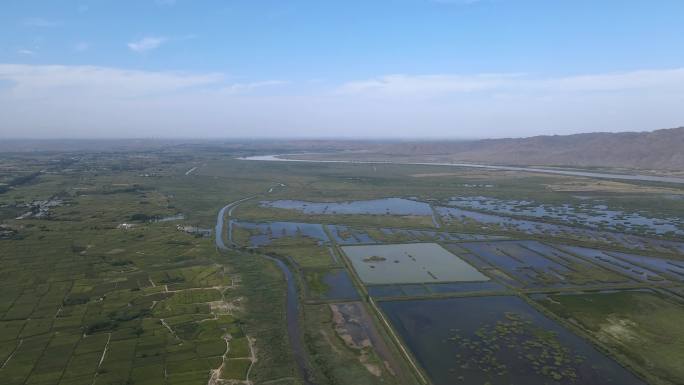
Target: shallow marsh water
{"points": [[497, 340]]}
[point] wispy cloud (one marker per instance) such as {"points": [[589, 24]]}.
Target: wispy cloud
{"points": [[457, 2], [101, 101], [81, 46], [426, 85], [244, 87], [444, 85], [26, 52], [34, 80], [146, 44], [45, 79], [40, 22]]}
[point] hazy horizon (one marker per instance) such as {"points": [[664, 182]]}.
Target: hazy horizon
{"points": [[242, 139], [409, 69]]}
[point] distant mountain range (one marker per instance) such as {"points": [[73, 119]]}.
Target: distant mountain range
{"points": [[659, 151], [656, 150]]}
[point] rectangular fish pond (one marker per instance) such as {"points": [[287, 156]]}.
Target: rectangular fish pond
{"points": [[624, 263], [409, 263], [403, 290], [534, 264], [497, 340]]}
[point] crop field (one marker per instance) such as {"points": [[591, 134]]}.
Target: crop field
{"points": [[107, 320], [98, 291], [110, 273]]}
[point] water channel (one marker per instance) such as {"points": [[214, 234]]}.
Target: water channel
{"points": [[292, 300]]}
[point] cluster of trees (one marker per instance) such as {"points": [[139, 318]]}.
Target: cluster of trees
{"points": [[18, 181]]}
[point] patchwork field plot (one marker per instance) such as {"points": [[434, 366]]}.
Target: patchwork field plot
{"points": [[643, 326], [497, 340], [409, 263]]}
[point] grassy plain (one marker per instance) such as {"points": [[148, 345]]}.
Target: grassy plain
{"points": [[643, 327]]}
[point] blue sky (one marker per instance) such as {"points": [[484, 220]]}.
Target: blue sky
{"points": [[406, 68]]}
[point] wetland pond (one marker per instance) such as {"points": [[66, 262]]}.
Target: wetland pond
{"points": [[527, 226], [497, 340], [384, 206], [348, 236], [265, 233], [597, 216], [332, 284], [390, 206]]}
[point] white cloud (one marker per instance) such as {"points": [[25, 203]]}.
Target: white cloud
{"points": [[26, 52], [40, 22], [146, 44], [73, 101]]}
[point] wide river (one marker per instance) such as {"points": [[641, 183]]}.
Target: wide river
{"points": [[645, 178]]}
